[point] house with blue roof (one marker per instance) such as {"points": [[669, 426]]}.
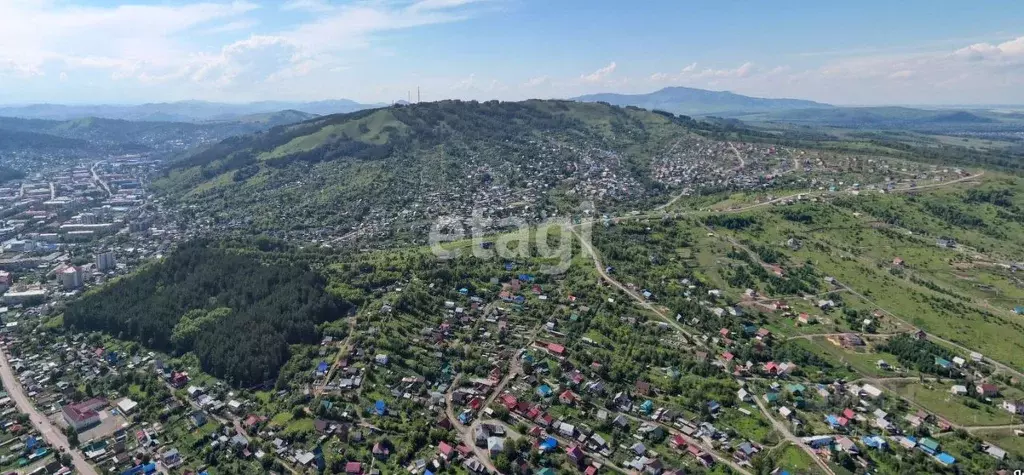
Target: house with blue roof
{"points": [[714, 406], [942, 362], [464, 291], [380, 408], [875, 442], [526, 277], [543, 390], [548, 445], [647, 406], [945, 459], [509, 266], [832, 420], [321, 369], [141, 469], [519, 299]]}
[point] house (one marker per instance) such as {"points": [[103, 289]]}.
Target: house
{"points": [[943, 363], [995, 452], [198, 418], [575, 454], [743, 395], [928, 445], [495, 445], [945, 459], [875, 442], [353, 468], [446, 451], [897, 262], [548, 444], [171, 458], [958, 390], [987, 389], [847, 445], [380, 451], [84, 414], [1014, 406], [568, 397], [871, 391], [677, 442]]}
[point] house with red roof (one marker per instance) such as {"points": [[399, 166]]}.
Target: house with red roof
{"points": [[509, 401], [849, 414], [727, 356], [568, 397], [354, 468], [987, 389], [771, 368], [446, 451], [84, 414], [556, 349]]}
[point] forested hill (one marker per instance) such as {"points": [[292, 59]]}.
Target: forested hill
{"points": [[236, 310], [425, 160]]}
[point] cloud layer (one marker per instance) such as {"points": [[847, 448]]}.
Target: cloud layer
{"points": [[236, 50]]}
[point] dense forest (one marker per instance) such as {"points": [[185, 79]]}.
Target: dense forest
{"points": [[235, 312]]}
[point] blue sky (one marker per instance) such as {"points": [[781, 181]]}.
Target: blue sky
{"points": [[866, 52]]}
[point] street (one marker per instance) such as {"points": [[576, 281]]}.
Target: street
{"points": [[51, 433]]}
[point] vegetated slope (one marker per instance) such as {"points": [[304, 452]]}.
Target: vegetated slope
{"points": [[237, 313], [17, 139], [274, 119], [685, 100], [116, 135], [412, 163]]}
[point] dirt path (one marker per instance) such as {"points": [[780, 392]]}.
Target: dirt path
{"points": [[782, 429]]}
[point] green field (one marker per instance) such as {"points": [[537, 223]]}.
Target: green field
{"points": [[935, 397]]}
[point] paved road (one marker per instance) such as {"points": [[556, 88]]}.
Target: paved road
{"points": [[96, 177], [51, 433]]}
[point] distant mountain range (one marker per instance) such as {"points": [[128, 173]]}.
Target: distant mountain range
{"points": [[754, 110], [690, 101], [185, 111], [102, 135]]}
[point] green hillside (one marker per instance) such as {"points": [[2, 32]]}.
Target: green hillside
{"points": [[334, 170]]}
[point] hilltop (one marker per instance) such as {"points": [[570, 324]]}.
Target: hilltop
{"points": [[412, 163]]}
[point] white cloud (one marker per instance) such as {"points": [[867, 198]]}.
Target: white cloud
{"points": [[537, 81], [153, 44], [600, 74]]}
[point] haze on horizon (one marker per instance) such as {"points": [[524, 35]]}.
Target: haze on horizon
{"points": [[873, 52]]}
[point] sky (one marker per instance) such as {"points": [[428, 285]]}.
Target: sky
{"points": [[868, 52]]}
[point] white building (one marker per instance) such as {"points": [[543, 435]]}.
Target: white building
{"points": [[71, 278], [105, 261]]}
